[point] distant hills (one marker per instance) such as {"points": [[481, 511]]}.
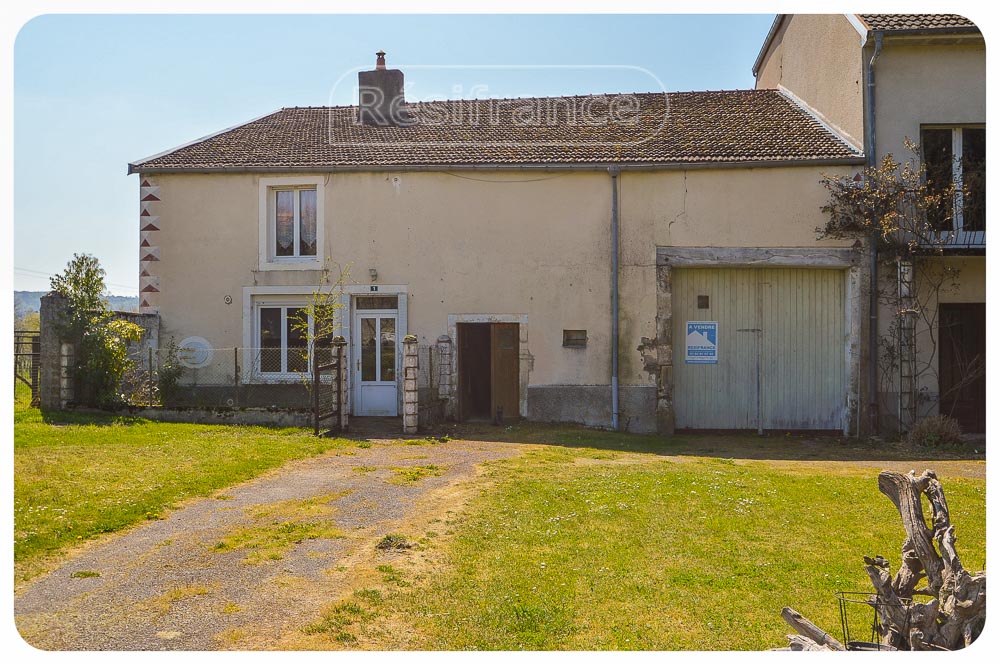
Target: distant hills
{"points": [[31, 301]]}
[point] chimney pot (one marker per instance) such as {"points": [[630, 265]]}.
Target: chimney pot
{"points": [[380, 59]]}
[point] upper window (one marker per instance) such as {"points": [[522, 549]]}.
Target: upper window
{"points": [[957, 155], [291, 234], [295, 222]]}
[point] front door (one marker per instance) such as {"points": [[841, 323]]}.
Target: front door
{"points": [[375, 363]]}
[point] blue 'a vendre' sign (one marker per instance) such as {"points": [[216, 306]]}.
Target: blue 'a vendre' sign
{"points": [[702, 343]]}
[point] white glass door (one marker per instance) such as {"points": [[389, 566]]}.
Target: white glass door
{"points": [[375, 363]]}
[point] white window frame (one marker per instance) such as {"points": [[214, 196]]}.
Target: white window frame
{"points": [[284, 304], [267, 223], [961, 236]]}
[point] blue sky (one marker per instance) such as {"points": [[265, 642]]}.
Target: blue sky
{"points": [[92, 93]]}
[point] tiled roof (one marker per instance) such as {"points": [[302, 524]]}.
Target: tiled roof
{"points": [[686, 127], [889, 22]]}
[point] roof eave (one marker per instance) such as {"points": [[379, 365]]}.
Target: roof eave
{"points": [[135, 167], [767, 42], [929, 32], [550, 166]]}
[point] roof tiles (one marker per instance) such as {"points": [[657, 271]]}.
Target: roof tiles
{"points": [[890, 22], [660, 128]]}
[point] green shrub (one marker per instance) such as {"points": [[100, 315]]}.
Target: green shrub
{"points": [[103, 358], [102, 342], [935, 431]]}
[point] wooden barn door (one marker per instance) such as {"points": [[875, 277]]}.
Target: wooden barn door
{"points": [[780, 349], [504, 342]]}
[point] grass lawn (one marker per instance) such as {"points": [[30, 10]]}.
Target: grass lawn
{"points": [[588, 548], [77, 476], [586, 540]]}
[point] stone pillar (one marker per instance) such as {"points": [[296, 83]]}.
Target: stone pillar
{"points": [[410, 406], [665, 420], [343, 371], [445, 359], [52, 315]]}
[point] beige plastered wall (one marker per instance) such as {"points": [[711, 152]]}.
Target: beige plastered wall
{"points": [[818, 58], [920, 82], [535, 244]]}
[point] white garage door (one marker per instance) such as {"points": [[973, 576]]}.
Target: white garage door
{"points": [[780, 356]]}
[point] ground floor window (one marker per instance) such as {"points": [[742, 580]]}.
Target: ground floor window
{"points": [[283, 337], [282, 334]]}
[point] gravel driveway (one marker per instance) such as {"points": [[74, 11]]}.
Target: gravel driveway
{"points": [[217, 573]]}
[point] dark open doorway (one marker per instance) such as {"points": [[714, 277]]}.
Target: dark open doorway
{"points": [[488, 370], [962, 364]]}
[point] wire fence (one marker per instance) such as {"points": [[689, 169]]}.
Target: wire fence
{"points": [[27, 361], [274, 378], [233, 377]]}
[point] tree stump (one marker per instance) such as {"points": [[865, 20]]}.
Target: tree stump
{"points": [[955, 613]]}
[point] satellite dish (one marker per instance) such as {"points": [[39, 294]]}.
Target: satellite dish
{"points": [[195, 352]]}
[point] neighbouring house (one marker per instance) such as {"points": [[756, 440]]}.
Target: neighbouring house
{"points": [[879, 80], [648, 262]]}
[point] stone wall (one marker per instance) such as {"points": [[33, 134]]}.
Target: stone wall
{"points": [[56, 384], [53, 309]]}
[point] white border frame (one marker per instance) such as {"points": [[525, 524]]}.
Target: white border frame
{"points": [[264, 259]]}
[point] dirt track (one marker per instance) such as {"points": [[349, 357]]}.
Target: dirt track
{"points": [[169, 584]]}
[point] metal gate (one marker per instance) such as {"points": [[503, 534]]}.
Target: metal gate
{"points": [[781, 355], [27, 360], [329, 385]]}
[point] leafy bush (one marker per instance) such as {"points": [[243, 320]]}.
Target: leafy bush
{"points": [[102, 342], [935, 431], [103, 358]]}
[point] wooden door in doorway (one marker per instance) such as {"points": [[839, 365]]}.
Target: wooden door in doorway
{"points": [[505, 369]]}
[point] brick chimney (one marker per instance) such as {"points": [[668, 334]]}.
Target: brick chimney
{"points": [[380, 96]]}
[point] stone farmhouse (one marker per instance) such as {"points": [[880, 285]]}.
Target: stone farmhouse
{"points": [[645, 262]]}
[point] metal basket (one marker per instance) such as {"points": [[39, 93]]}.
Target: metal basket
{"points": [[859, 618]]}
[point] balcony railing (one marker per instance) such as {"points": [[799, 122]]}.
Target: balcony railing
{"points": [[922, 236]]}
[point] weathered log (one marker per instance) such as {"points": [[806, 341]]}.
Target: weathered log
{"points": [[904, 491], [803, 643], [955, 614], [891, 613], [808, 629]]}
